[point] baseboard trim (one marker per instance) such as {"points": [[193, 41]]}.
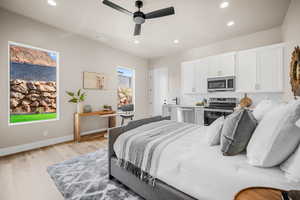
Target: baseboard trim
{"points": [[43, 143]]}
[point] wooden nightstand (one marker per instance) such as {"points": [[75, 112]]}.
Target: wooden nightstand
{"points": [[259, 193]]}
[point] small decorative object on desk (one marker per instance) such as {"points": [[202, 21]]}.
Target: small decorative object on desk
{"points": [[77, 98], [246, 101], [107, 108], [87, 109]]}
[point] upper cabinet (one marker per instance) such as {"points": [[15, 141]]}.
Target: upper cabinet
{"points": [[222, 65], [194, 76], [270, 69], [188, 84], [246, 71], [256, 70], [260, 70], [201, 73]]}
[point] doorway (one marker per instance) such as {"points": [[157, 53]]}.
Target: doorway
{"points": [[126, 86], [159, 89]]}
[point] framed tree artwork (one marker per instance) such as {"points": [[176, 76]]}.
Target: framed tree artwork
{"points": [[33, 84]]}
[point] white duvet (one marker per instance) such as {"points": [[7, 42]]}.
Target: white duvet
{"points": [[199, 170]]}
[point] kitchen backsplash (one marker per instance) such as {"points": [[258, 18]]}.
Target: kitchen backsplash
{"points": [[256, 97]]}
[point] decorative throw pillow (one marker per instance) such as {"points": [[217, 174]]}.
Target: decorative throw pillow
{"points": [[237, 131], [213, 132], [276, 136], [291, 167], [298, 123], [263, 108]]}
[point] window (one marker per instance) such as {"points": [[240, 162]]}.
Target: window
{"points": [[125, 86]]}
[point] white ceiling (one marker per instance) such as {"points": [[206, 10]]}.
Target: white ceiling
{"points": [[196, 23]]}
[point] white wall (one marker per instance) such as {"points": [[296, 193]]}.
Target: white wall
{"points": [[291, 24], [291, 35], [77, 54], [173, 62]]}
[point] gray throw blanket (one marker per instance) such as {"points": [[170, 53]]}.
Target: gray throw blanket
{"points": [[139, 150]]}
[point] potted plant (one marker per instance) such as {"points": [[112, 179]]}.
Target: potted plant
{"points": [[107, 108], [77, 97]]}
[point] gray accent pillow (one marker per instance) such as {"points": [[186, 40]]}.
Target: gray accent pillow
{"points": [[237, 131]]}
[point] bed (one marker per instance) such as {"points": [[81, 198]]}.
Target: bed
{"points": [[190, 169]]}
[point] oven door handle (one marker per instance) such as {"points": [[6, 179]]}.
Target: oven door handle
{"points": [[218, 110]]}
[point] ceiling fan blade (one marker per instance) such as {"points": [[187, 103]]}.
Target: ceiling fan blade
{"points": [[161, 13], [116, 7], [137, 29]]}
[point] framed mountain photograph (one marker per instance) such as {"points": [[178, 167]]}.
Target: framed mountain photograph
{"points": [[33, 84]]}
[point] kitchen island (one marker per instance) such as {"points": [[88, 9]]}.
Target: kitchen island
{"points": [[184, 113]]}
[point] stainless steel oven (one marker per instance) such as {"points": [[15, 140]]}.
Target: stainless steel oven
{"points": [[210, 115], [226, 83], [218, 107]]}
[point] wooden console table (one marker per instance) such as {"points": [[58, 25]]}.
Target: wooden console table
{"points": [[111, 115]]}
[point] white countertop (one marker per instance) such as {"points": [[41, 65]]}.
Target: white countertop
{"points": [[182, 105]]}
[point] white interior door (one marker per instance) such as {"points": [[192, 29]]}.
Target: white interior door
{"points": [[159, 82]]}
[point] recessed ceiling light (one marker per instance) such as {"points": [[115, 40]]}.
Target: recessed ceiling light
{"points": [[52, 2], [231, 23], [225, 4], [136, 42], [176, 41]]}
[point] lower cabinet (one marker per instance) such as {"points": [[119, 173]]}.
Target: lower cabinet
{"points": [[199, 116], [194, 115], [170, 110]]}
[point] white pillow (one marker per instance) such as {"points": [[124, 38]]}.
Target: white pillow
{"points": [[263, 108], [298, 123], [291, 167], [275, 137], [213, 132]]}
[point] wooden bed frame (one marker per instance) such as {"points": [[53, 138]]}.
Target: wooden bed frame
{"points": [[161, 191]]}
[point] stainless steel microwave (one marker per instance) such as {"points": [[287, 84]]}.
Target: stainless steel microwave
{"points": [[226, 83]]}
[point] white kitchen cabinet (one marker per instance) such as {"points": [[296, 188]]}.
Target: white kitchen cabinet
{"points": [[270, 69], [201, 74], [227, 64], [260, 70], [166, 110], [222, 65], [199, 116], [188, 77], [246, 71], [170, 110]]}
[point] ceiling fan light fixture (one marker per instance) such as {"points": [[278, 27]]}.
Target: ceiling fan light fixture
{"points": [[140, 17]]}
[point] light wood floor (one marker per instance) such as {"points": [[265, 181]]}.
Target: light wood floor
{"points": [[24, 177]]}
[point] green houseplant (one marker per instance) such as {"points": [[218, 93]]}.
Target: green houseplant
{"points": [[77, 97]]}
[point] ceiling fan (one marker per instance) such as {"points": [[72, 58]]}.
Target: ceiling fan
{"points": [[139, 17]]}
